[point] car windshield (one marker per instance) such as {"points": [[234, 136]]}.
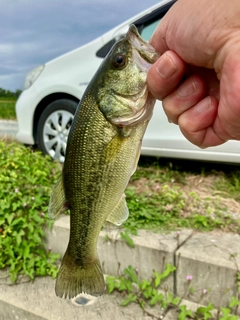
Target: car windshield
{"points": [[149, 29]]}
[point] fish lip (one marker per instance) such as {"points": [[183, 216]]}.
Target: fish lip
{"points": [[146, 51], [143, 114], [139, 115], [135, 101], [130, 98]]}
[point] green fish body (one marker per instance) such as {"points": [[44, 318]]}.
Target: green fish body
{"points": [[102, 153]]}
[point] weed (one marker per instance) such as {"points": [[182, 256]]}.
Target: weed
{"points": [[142, 292], [26, 179], [147, 294], [150, 169], [125, 236], [169, 209], [228, 185]]}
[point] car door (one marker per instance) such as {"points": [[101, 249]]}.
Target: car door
{"points": [[165, 139]]}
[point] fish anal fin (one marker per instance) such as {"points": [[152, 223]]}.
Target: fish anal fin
{"points": [[58, 203], [74, 279], [120, 212]]}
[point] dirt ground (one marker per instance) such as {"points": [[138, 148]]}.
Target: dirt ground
{"points": [[202, 186]]}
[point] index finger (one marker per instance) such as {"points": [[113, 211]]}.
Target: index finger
{"points": [[165, 74]]}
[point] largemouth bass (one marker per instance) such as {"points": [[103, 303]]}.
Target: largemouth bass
{"points": [[102, 153]]}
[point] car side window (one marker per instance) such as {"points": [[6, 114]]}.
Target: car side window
{"points": [[103, 51], [148, 30], [145, 30]]}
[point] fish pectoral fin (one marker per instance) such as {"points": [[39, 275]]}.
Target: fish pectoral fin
{"points": [[120, 212], [58, 203], [137, 158], [113, 148]]}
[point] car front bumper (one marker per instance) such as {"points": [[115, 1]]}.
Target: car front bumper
{"points": [[25, 107]]}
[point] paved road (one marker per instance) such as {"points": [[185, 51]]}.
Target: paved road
{"points": [[37, 301], [8, 128]]}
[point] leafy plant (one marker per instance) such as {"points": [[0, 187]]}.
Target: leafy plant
{"points": [[205, 312], [26, 180], [184, 313], [147, 294], [142, 291], [160, 196], [169, 209], [226, 315], [126, 236], [153, 211]]}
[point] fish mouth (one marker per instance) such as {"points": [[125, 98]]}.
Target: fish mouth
{"points": [[141, 103], [145, 50]]}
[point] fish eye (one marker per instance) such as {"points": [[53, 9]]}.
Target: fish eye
{"points": [[119, 61]]}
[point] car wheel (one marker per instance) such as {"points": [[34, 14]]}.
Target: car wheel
{"points": [[53, 128]]}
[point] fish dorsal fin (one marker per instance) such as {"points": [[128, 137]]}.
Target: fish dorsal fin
{"points": [[58, 203], [120, 212]]}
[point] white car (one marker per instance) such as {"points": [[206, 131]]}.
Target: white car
{"points": [[52, 92]]}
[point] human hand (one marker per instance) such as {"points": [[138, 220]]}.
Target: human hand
{"points": [[198, 75]]}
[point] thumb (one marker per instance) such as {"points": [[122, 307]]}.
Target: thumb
{"points": [[227, 122]]}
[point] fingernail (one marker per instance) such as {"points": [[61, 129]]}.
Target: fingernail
{"points": [[166, 67], [203, 105], [187, 89]]}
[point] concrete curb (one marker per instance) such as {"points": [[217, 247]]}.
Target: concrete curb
{"points": [[210, 258], [8, 128], [151, 252], [37, 301], [203, 256]]}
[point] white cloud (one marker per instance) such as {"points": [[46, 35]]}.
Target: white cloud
{"points": [[34, 32], [6, 48]]}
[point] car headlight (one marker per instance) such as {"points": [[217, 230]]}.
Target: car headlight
{"points": [[32, 76]]}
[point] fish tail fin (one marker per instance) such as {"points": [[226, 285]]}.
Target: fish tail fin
{"points": [[74, 278]]}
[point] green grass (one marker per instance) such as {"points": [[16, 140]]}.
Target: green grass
{"points": [[170, 209], [160, 196], [7, 109], [228, 184], [168, 195], [162, 171]]}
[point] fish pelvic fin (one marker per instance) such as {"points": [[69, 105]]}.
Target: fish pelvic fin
{"points": [[74, 278], [120, 212], [58, 203]]}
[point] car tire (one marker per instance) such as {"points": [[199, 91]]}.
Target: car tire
{"points": [[53, 128]]}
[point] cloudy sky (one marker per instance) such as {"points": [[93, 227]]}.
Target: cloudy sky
{"points": [[35, 31]]}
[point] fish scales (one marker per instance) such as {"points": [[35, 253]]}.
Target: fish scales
{"points": [[102, 153], [93, 170]]}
